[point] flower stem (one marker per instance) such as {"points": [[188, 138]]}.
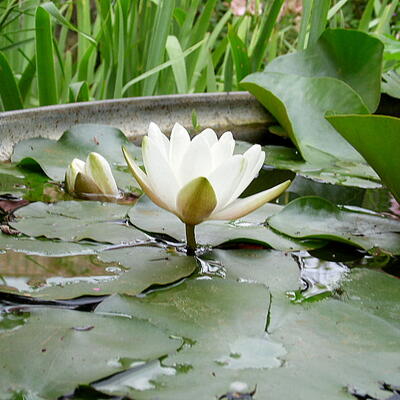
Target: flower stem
{"points": [[190, 240]]}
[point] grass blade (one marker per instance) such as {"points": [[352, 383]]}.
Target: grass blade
{"points": [[45, 59], [239, 55], [78, 91], [157, 43], [161, 67], [269, 20], [319, 17], [9, 92], [366, 16], [26, 79], [174, 51], [51, 8]]}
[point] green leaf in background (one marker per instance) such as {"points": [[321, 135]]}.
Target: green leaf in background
{"points": [[239, 54], [158, 40], [175, 51], [9, 92], [78, 91], [65, 348], [317, 218], [391, 84], [300, 103], [350, 56], [73, 221], [377, 138], [249, 229], [54, 156], [46, 76]]}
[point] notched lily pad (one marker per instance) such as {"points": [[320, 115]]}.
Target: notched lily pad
{"points": [[54, 156], [77, 220], [60, 356], [224, 325], [315, 217], [151, 218]]}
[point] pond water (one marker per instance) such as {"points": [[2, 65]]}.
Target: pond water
{"points": [[101, 301]]}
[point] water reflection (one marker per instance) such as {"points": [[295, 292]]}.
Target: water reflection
{"points": [[319, 278], [26, 272]]}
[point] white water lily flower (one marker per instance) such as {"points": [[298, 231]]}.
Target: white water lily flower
{"points": [[91, 177], [200, 179]]}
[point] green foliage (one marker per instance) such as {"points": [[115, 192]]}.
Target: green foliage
{"points": [[377, 139]]}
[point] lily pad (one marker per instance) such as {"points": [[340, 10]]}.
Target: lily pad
{"points": [[77, 220], [377, 138], [335, 171], [275, 269], [54, 156], [223, 323], [315, 217], [55, 350], [327, 345], [151, 218], [50, 248], [351, 56], [300, 103], [136, 269]]}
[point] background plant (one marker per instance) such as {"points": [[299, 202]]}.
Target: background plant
{"points": [[59, 52]]}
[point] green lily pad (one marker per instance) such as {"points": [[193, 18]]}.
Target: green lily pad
{"points": [[77, 220], [351, 56], [21, 182], [55, 350], [300, 103], [328, 345], [54, 156], [50, 248], [136, 269], [223, 323], [336, 172], [275, 269], [377, 138], [151, 218], [315, 217]]}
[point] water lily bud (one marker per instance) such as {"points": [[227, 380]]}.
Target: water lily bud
{"points": [[93, 177], [99, 170], [200, 179]]}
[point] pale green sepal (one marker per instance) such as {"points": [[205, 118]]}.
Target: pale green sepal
{"points": [[99, 170], [241, 207], [76, 166], [142, 179], [85, 185], [196, 201]]}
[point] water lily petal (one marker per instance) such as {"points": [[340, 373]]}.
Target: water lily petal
{"points": [[196, 201], [242, 207], [160, 175], [197, 161], [142, 179], [223, 149], [98, 168], [224, 179], [72, 172], [179, 143], [255, 159], [209, 135], [159, 138]]}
